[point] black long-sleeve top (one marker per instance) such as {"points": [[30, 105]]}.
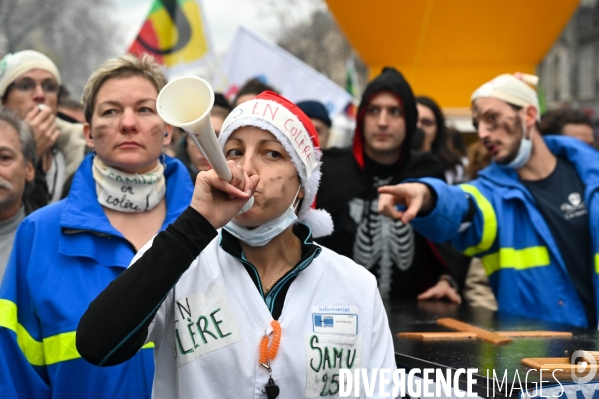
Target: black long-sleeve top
{"points": [[110, 333], [116, 323]]}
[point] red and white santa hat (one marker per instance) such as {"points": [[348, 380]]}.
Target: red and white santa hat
{"points": [[279, 116]]}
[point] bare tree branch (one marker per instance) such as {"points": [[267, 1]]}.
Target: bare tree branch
{"points": [[317, 40], [76, 34], [42, 19]]}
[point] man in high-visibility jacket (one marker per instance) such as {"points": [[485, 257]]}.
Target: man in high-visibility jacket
{"points": [[529, 215]]}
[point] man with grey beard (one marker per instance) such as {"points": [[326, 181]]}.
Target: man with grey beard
{"points": [[17, 157]]}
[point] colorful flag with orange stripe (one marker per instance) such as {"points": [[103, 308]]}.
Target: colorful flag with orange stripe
{"points": [[175, 34]]}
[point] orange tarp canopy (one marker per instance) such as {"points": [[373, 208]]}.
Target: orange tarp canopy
{"points": [[447, 48]]}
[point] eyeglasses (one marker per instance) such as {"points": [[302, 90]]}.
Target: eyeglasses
{"points": [[426, 122], [28, 85]]}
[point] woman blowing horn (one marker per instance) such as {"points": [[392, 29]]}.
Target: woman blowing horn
{"points": [[257, 308]]}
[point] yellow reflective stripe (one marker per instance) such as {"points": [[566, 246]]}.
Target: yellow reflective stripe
{"points": [[597, 263], [54, 349], [60, 347], [8, 315], [519, 259], [32, 349], [491, 263], [489, 221]]}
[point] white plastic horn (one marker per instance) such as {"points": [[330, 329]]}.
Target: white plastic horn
{"points": [[186, 103]]}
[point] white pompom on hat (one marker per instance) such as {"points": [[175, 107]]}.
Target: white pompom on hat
{"points": [[14, 65], [279, 116], [514, 89]]}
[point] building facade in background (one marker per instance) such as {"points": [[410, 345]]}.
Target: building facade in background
{"points": [[569, 74]]}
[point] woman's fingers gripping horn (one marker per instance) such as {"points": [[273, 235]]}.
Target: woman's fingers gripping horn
{"points": [[239, 185], [218, 200]]}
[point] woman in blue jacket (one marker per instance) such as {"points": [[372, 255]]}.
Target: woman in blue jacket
{"points": [[65, 254]]}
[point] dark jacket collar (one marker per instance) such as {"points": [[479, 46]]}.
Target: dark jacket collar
{"points": [[275, 298]]}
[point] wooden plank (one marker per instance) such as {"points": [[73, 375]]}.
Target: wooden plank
{"points": [[559, 367], [534, 334], [432, 336], [594, 355], [540, 362], [437, 336], [481, 333]]}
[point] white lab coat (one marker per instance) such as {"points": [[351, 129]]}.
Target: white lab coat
{"points": [[208, 330]]}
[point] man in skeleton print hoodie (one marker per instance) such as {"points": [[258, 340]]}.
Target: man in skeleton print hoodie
{"points": [[404, 262]]}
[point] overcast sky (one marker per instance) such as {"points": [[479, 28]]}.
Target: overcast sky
{"points": [[223, 19]]}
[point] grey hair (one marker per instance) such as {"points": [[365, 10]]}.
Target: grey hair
{"points": [[23, 130]]}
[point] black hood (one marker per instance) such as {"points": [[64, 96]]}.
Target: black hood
{"points": [[390, 80]]}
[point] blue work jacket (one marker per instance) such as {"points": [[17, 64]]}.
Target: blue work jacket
{"points": [[525, 267], [63, 256]]}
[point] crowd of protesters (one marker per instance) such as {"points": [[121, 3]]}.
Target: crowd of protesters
{"points": [[86, 185]]}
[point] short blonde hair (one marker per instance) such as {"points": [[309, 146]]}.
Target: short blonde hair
{"points": [[125, 66]]}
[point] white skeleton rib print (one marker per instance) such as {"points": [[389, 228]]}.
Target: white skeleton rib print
{"points": [[381, 240]]}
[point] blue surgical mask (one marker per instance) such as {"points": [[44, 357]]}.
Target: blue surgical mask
{"points": [[262, 234], [524, 152]]}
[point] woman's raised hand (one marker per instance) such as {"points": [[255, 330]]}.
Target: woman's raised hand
{"points": [[219, 201]]}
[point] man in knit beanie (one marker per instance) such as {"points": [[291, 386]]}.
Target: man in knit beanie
{"points": [[30, 85], [405, 263], [527, 215]]}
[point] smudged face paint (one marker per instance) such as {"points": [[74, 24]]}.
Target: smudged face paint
{"points": [[126, 131], [259, 152], [499, 127]]}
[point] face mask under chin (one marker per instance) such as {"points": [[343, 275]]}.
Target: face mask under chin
{"points": [[523, 153], [263, 234]]}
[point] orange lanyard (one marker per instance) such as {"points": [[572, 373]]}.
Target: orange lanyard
{"points": [[269, 353]]}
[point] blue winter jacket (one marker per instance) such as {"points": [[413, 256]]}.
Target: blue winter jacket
{"points": [[524, 265], [64, 255]]}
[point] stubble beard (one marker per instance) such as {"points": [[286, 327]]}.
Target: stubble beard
{"points": [[514, 130]]}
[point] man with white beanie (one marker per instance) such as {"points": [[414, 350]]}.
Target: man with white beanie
{"points": [[528, 216], [30, 85]]}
